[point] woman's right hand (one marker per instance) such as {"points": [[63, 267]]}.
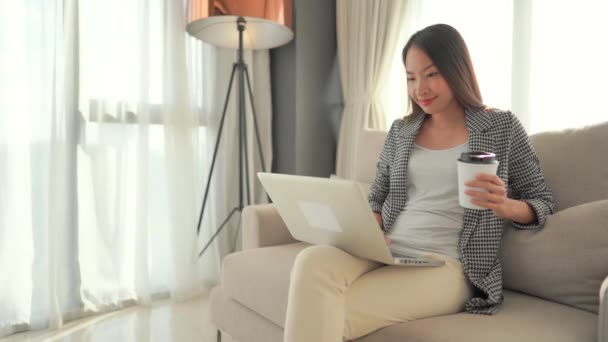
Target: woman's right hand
{"points": [[378, 218], [387, 240]]}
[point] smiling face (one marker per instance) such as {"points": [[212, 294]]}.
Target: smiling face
{"points": [[426, 86]]}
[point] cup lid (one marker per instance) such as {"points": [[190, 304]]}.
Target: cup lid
{"points": [[478, 157]]}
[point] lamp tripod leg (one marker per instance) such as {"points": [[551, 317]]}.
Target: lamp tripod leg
{"points": [[246, 162], [217, 144], [244, 151], [255, 122], [219, 230]]}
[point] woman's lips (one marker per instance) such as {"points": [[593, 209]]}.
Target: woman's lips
{"points": [[426, 102]]}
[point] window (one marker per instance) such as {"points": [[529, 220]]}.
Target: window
{"points": [[568, 68]]}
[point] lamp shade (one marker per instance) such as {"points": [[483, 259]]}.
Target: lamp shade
{"points": [[269, 22]]}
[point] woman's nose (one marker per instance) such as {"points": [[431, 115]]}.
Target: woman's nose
{"points": [[421, 87]]}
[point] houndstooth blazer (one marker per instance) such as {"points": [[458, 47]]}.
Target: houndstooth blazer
{"points": [[490, 130]]}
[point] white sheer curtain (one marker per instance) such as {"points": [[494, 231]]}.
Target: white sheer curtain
{"points": [[38, 262], [528, 56], [108, 116], [137, 162], [368, 33]]}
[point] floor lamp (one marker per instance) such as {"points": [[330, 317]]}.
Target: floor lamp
{"points": [[240, 24]]}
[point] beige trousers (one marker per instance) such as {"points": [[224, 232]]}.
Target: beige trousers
{"points": [[334, 296]]}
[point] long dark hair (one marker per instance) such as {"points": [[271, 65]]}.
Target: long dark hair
{"points": [[449, 53]]}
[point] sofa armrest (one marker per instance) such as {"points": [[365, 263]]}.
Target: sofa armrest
{"points": [[262, 227], [603, 312]]}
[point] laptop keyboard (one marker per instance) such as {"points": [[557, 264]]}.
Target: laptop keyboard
{"points": [[406, 259]]}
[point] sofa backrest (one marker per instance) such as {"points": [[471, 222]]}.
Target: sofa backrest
{"points": [[370, 146]]}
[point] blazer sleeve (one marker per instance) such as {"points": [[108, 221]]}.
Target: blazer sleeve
{"points": [[381, 184], [526, 179]]}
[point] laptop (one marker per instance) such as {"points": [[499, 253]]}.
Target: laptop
{"points": [[334, 212]]}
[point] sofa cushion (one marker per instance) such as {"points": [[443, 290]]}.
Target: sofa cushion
{"points": [[259, 279], [575, 164], [523, 319], [565, 261]]}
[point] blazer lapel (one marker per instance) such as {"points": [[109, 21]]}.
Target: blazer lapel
{"points": [[404, 149], [479, 140]]}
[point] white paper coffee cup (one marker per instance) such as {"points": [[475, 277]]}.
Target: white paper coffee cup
{"points": [[469, 165]]}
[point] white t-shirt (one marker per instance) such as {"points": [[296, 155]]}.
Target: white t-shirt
{"points": [[432, 219]]}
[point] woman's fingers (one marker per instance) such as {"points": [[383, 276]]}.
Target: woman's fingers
{"points": [[487, 196], [487, 177], [491, 188], [494, 186], [492, 183]]}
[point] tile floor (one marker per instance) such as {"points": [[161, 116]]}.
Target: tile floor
{"points": [[162, 322]]}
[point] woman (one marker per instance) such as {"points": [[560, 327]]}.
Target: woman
{"points": [[335, 296]]}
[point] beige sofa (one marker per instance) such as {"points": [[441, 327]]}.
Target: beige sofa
{"points": [[555, 279]]}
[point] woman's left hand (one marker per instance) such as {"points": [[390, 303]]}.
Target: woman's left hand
{"points": [[496, 196]]}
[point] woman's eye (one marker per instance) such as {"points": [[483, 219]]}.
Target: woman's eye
{"points": [[409, 79], [433, 74]]}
